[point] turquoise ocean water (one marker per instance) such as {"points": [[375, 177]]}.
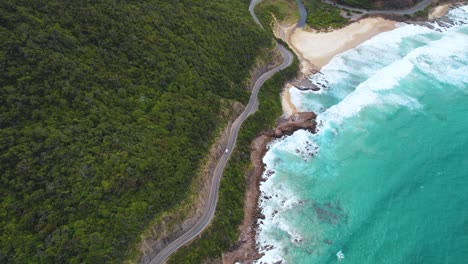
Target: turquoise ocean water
{"points": [[385, 179]]}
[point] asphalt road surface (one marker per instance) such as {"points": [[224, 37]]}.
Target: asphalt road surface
{"points": [[302, 14], [251, 108], [252, 5]]}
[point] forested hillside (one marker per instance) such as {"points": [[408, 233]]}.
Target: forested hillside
{"points": [[106, 109], [285, 11], [323, 16]]}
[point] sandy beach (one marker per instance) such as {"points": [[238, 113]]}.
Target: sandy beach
{"points": [[439, 11], [315, 49], [320, 47], [288, 107]]}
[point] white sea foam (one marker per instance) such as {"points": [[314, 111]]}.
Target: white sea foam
{"points": [[280, 199], [448, 62], [381, 89], [296, 98], [456, 17], [459, 15], [300, 145], [366, 94], [344, 72], [369, 55], [432, 58], [276, 199]]}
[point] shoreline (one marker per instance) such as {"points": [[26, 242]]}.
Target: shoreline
{"points": [[286, 102], [316, 49], [246, 248], [319, 48], [439, 11], [246, 251]]}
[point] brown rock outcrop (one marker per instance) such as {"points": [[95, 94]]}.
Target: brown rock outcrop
{"points": [[245, 250], [301, 120]]}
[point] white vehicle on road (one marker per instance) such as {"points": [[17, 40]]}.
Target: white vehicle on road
{"points": [[226, 151]]}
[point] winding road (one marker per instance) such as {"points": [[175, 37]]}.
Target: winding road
{"points": [[251, 108], [302, 14], [252, 5]]}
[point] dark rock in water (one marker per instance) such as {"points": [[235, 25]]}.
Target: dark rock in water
{"points": [[305, 85], [261, 216], [268, 173], [303, 120]]}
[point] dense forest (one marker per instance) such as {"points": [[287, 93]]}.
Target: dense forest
{"points": [[106, 110], [223, 233], [321, 15], [285, 11]]}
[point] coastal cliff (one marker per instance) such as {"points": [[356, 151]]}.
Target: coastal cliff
{"points": [[286, 127], [245, 250]]}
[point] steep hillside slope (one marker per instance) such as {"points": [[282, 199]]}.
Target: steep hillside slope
{"points": [[106, 109]]}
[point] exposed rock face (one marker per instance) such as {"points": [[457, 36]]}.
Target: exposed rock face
{"points": [[302, 120], [245, 250], [304, 84]]}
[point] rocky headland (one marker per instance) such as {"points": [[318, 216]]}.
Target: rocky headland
{"points": [[287, 126], [245, 250]]}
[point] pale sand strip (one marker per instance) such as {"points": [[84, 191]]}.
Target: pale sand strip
{"points": [[320, 47], [439, 11], [288, 107]]}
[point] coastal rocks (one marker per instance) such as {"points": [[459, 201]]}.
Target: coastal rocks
{"points": [[302, 120], [305, 85], [287, 126], [246, 250]]}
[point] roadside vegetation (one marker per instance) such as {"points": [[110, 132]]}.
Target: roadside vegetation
{"points": [[423, 14], [285, 11], [320, 16], [323, 16], [107, 109], [223, 232]]}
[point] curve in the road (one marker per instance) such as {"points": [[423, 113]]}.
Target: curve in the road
{"points": [[251, 108], [302, 14], [252, 5]]}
